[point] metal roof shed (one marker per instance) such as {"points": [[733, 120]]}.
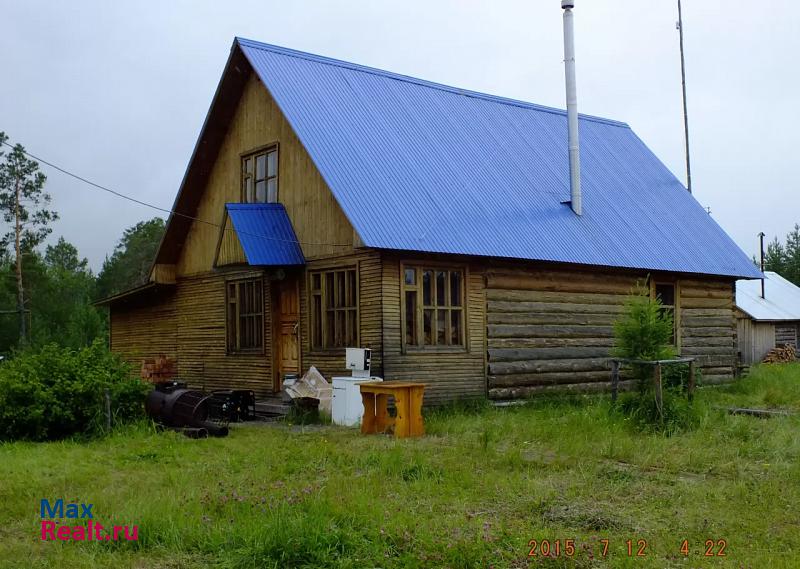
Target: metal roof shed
{"points": [[764, 323]]}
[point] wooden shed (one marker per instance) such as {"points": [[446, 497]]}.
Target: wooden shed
{"points": [[768, 321], [329, 205]]}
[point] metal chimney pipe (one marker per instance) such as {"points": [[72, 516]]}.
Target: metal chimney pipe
{"points": [[572, 108]]}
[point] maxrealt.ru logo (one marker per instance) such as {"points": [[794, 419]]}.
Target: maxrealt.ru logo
{"points": [[89, 531]]}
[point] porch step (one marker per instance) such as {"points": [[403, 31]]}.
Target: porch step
{"points": [[272, 407]]}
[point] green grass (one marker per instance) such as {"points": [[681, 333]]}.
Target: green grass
{"points": [[472, 493]]}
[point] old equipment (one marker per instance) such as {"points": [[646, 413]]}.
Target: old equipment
{"points": [[232, 405], [174, 406]]}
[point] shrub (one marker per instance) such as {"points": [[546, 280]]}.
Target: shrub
{"points": [[644, 332], [55, 392]]}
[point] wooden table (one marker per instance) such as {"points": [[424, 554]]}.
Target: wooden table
{"points": [[407, 400]]}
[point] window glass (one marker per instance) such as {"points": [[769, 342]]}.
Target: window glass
{"points": [[334, 296], [260, 177], [245, 318], [427, 327], [666, 292], [261, 192], [427, 288], [261, 167], [439, 309], [441, 328], [441, 288], [455, 288], [411, 317], [455, 327]]}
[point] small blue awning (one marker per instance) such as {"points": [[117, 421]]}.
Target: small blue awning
{"points": [[266, 234]]}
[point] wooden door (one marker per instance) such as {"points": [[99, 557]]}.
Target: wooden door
{"points": [[286, 317]]}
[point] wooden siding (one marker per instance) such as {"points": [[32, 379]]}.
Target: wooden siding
{"points": [[230, 250], [332, 362], [555, 327], [449, 374], [163, 273], [188, 325], [203, 360], [316, 216], [754, 339], [144, 327]]}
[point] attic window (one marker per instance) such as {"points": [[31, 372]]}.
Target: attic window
{"points": [[260, 176]]}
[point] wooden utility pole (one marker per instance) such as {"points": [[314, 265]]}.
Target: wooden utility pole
{"points": [[685, 110], [23, 328]]}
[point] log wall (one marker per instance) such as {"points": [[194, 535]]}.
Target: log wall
{"points": [[708, 327], [786, 334], [548, 328]]}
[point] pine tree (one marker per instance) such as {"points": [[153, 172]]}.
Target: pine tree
{"points": [[775, 257], [24, 205]]}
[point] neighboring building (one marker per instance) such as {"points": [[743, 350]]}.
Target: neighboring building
{"points": [[362, 207], [769, 322]]}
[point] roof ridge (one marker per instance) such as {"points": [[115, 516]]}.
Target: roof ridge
{"points": [[421, 82]]}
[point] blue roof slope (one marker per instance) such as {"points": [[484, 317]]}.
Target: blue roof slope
{"points": [[425, 167], [266, 234]]}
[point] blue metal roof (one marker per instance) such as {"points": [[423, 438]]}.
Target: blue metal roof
{"points": [[420, 166], [266, 234]]}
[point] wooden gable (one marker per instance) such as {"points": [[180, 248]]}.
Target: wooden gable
{"points": [[229, 248], [251, 120]]}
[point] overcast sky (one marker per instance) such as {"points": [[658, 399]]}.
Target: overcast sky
{"points": [[117, 91]]}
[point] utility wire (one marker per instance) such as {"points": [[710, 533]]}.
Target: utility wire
{"points": [[165, 210]]}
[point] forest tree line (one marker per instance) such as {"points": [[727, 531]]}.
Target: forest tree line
{"points": [[784, 258], [47, 291]]}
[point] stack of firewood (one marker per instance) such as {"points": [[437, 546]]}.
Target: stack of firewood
{"points": [[784, 355], [157, 369]]}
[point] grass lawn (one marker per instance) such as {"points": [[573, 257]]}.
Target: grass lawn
{"points": [[472, 493]]}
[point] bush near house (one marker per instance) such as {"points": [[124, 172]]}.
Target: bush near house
{"points": [[644, 332], [53, 392]]}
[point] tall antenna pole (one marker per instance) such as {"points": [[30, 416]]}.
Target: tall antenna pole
{"points": [[685, 110], [761, 241]]}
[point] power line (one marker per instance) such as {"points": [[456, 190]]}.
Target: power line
{"points": [[165, 210]]}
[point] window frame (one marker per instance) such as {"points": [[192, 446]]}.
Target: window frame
{"points": [[238, 282], [322, 292], [420, 346], [243, 174], [676, 308]]}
